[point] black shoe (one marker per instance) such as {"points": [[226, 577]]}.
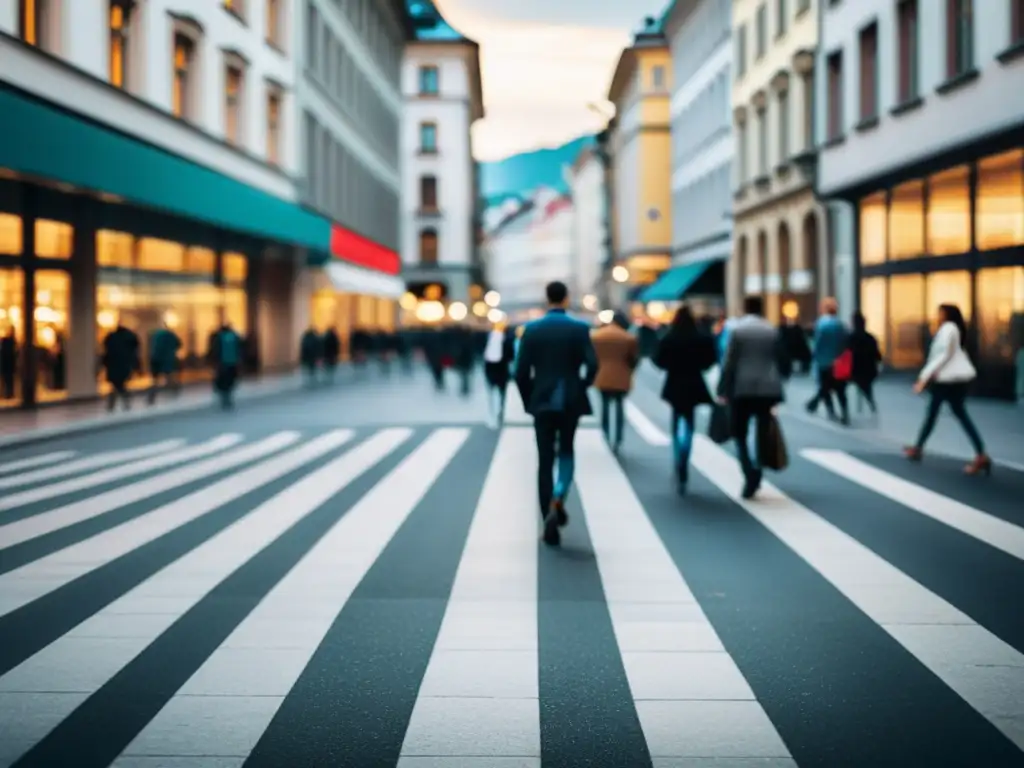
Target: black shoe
{"points": [[551, 536], [752, 485], [556, 514]]}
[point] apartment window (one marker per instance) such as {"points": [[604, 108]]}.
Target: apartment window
{"points": [[119, 43], [781, 17], [273, 32], [235, 7], [741, 51], [783, 126], [429, 81], [835, 95], [762, 143], [312, 38], [658, 78], [869, 72], [428, 138], [762, 32], [959, 37], [274, 126], [907, 53], [1016, 22], [428, 193], [744, 165], [32, 20], [807, 88], [181, 93], [428, 246], [232, 103]]}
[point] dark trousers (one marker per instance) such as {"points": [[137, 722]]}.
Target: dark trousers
{"points": [[163, 380], [556, 436], [829, 385], [866, 387], [118, 390], [956, 395], [613, 417], [743, 411]]}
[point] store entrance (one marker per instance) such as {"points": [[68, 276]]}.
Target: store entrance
{"points": [[53, 296], [12, 327]]}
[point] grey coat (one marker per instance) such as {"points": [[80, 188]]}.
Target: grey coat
{"points": [[752, 364]]}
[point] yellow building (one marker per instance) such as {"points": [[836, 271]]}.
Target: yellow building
{"points": [[641, 148], [779, 229]]}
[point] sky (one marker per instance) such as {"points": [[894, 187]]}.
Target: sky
{"points": [[543, 62]]}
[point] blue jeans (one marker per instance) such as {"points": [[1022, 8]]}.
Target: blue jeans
{"points": [[682, 440]]}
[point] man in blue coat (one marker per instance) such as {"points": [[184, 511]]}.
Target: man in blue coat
{"points": [[555, 367]]}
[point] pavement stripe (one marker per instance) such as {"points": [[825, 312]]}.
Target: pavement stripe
{"points": [[986, 672], [980, 525], [480, 694], [216, 586], [121, 472], [107, 459], [352, 703], [85, 509], [587, 714], [35, 461], [680, 675], [308, 598]]}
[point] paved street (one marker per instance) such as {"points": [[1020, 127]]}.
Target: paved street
{"points": [[351, 576]]}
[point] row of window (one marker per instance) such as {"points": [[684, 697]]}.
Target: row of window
{"points": [[700, 208], [343, 187], [369, 28], [901, 311], [707, 28], [781, 110], [785, 10], [335, 67], [959, 53], [702, 118], [932, 217], [273, 30]]}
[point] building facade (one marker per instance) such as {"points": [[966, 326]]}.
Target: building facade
{"points": [[349, 98], [921, 121], [698, 33], [779, 247], [146, 178], [587, 191], [640, 147], [443, 98]]}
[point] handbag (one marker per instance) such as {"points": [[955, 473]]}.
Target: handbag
{"points": [[720, 426], [842, 368], [772, 451]]}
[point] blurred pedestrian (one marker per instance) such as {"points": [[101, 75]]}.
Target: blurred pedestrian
{"points": [[121, 355], [685, 354], [618, 353], [163, 361], [310, 354], [947, 375], [499, 353], [831, 340], [227, 357], [552, 353], [751, 386], [866, 359], [331, 345]]}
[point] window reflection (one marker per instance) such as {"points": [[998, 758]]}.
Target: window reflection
{"points": [[235, 270], [907, 322], [10, 234], [949, 212], [999, 215], [53, 304], [160, 255], [873, 295], [115, 249], [1000, 313], [12, 327], [906, 221], [948, 288], [54, 239], [872, 229]]}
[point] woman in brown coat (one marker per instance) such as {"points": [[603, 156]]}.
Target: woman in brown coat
{"points": [[618, 352]]}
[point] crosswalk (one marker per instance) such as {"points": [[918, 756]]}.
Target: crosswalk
{"points": [[380, 597]]}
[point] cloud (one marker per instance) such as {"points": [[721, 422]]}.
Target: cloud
{"points": [[542, 63]]}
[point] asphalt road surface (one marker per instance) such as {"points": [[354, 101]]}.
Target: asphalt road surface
{"points": [[352, 577]]}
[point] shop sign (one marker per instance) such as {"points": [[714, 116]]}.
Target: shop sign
{"points": [[346, 245]]}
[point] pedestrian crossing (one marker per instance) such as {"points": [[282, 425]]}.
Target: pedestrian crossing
{"points": [[380, 597]]}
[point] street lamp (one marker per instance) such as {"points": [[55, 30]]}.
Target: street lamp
{"points": [[620, 274], [492, 299]]}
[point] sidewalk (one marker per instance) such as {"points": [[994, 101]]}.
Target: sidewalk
{"points": [[19, 428], [901, 412]]}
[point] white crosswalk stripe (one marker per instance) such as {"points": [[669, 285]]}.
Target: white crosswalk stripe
{"points": [[209, 512]]}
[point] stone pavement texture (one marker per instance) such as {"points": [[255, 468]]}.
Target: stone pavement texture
{"points": [[308, 581]]}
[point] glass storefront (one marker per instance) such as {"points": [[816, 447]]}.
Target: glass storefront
{"points": [[12, 333], [52, 331], [908, 321], [1000, 313], [347, 311], [874, 293]]}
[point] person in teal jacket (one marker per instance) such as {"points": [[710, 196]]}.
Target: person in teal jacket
{"points": [[163, 361], [831, 339]]}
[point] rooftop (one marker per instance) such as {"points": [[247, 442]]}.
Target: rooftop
{"points": [[429, 24]]}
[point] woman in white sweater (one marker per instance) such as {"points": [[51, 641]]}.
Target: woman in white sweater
{"points": [[947, 374]]}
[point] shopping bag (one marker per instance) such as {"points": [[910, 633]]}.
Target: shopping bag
{"points": [[772, 453], [842, 368], [720, 427]]}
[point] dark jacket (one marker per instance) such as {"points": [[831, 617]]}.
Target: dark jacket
{"points": [[685, 357], [552, 352], [121, 354], [866, 356]]}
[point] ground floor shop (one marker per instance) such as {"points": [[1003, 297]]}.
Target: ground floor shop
{"points": [[950, 232], [698, 284]]}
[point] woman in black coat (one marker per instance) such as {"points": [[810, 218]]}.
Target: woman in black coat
{"points": [[684, 353]]}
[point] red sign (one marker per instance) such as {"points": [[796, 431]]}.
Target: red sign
{"points": [[356, 249]]}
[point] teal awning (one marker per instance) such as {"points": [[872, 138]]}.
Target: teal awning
{"points": [[47, 142], [675, 282]]}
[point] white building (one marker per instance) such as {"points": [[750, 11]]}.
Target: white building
{"points": [[779, 229], [348, 94], [698, 32], [141, 138], [586, 180], [443, 98], [920, 118]]}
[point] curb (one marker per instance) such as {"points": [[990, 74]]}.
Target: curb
{"points": [[114, 421]]}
